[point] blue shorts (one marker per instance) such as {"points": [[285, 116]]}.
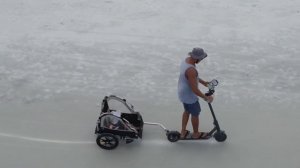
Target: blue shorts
{"points": [[194, 109]]}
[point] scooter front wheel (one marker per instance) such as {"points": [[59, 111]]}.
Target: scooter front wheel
{"points": [[173, 136], [220, 136]]}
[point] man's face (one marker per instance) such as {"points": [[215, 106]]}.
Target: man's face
{"points": [[197, 61]]}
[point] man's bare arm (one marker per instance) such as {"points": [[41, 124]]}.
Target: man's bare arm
{"points": [[203, 82], [191, 75]]}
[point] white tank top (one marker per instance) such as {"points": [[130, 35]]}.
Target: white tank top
{"points": [[185, 93]]}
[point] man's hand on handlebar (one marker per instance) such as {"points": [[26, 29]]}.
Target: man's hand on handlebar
{"points": [[211, 86], [209, 99]]}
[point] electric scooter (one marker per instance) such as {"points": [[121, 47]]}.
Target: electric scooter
{"points": [[216, 132], [114, 125]]}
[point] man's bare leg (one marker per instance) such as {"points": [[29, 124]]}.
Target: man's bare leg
{"points": [[195, 124], [185, 119]]}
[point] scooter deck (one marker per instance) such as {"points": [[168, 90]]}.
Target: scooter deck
{"points": [[189, 137], [193, 139]]}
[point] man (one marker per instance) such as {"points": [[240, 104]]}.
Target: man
{"points": [[188, 93]]}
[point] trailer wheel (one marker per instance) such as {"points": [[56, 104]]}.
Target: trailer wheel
{"points": [[107, 141]]}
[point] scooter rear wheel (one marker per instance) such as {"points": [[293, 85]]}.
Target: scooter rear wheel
{"points": [[173, 136], [220, 136]]}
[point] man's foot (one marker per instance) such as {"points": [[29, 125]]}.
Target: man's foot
{"points": [[201, 135], [184, 134]]}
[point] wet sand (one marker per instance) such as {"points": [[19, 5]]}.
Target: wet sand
{"points": [[59, 59]]}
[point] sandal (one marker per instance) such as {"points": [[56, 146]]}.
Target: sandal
{"points": [[203, 135], [187, 132]]}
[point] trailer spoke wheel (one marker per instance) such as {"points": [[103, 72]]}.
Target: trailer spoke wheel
{"points": [[107, 141]]}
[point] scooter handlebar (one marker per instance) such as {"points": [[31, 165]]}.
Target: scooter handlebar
{"points": [[211, 86], [210, 92]]}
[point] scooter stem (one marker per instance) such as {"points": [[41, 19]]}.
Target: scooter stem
{"points": [[214, 117]]}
